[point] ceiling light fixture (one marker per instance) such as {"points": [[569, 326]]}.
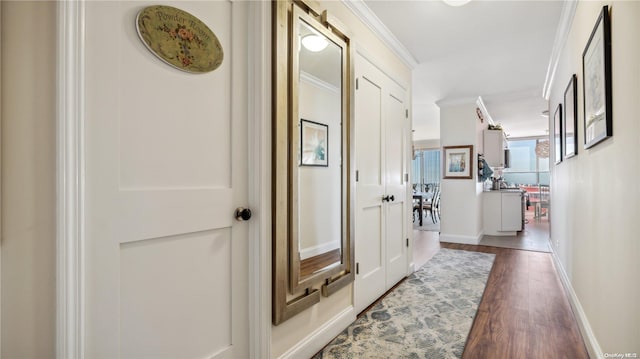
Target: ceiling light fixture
{"points": [[456, 2], [542, 149], [314, 43]]}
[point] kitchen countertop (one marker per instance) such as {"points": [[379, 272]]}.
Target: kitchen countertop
{"points": [[504, 190]]}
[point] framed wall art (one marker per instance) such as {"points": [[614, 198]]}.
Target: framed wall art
{"points": [[314, 143], [458, 162], [179, 39], [596, 70], [557, 133], [570, 119]]}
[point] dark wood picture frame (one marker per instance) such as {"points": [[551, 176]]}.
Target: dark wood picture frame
{"points": [[458, 162], [596, 74], [557, 134], [570, 119]]}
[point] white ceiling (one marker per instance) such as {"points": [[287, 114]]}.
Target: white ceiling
{"points": [[499, 50]]}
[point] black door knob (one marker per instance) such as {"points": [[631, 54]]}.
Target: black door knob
{"points": [[243, 214], [385, 198], [392, 197]]}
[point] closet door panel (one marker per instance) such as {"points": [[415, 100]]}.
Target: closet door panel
{"points": [[395, 185], [382, 207], [369, 237]]}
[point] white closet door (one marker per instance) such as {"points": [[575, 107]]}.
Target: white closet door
{"points": [[166, 154], [381, 140], [370, 250], [395, 185]]}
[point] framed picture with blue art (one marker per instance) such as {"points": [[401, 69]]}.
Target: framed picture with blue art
{"points": [[314, 143], [596, 71], [457, 162], [557, 133], [570, 119]]}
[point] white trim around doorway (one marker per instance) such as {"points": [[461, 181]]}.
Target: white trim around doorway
{"points": [[70, 181], [260, 179]]}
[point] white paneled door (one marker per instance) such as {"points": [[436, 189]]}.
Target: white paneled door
{"points": [[166, 167], [396, 130], [381, 132], [370, 250]]}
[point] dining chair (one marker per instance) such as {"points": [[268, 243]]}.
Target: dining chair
{"points": [[543, 202], [433, 206], [437, 205], [416, 209]]}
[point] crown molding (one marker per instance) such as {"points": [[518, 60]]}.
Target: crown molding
{"points": [[364, 13], [562, 33], [309, 78], [483, 108]]}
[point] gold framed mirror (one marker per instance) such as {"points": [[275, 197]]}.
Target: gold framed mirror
{"points": [[312, 228]]}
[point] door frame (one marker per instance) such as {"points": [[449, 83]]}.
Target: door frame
{"points": [[70, 179]]}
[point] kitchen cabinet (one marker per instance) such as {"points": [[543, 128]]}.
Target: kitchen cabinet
{"points": [[511, 211], [493, 141], [502, 212]]}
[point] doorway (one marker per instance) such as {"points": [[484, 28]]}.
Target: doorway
{"points": [[426, 172], [140, 249], [528, 170]]}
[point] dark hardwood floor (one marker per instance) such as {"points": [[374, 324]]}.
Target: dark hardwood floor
{"points": [[524, 311]]}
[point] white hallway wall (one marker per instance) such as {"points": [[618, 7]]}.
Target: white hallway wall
{"points": [[320, 187], [594, 217], [28, 179], [300, 335], [28, 115], [461, 199]]}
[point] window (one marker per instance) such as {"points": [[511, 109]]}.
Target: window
{"points": [[526, 167], [426, 170]]}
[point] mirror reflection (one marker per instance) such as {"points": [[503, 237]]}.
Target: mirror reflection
{"points": [[312, 249], [320, 173]]}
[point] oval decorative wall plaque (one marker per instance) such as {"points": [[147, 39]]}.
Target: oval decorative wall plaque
{"points": [[179, 39]]}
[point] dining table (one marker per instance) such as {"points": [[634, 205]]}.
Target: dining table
{"points": [[422, 197]]}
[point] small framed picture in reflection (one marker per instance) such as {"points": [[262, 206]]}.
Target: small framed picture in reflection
{"points": [[314, 143]]}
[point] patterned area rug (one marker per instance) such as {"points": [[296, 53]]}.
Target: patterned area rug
{"points": [[429, 315]]}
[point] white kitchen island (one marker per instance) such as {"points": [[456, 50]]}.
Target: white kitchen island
{"points": [[502, 212]]}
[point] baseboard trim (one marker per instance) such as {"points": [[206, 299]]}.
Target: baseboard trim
{"points": [[589, 337], [452, 238], [315, 341]]}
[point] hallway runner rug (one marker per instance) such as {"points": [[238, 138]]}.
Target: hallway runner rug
{"points": [[429, 315]]}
